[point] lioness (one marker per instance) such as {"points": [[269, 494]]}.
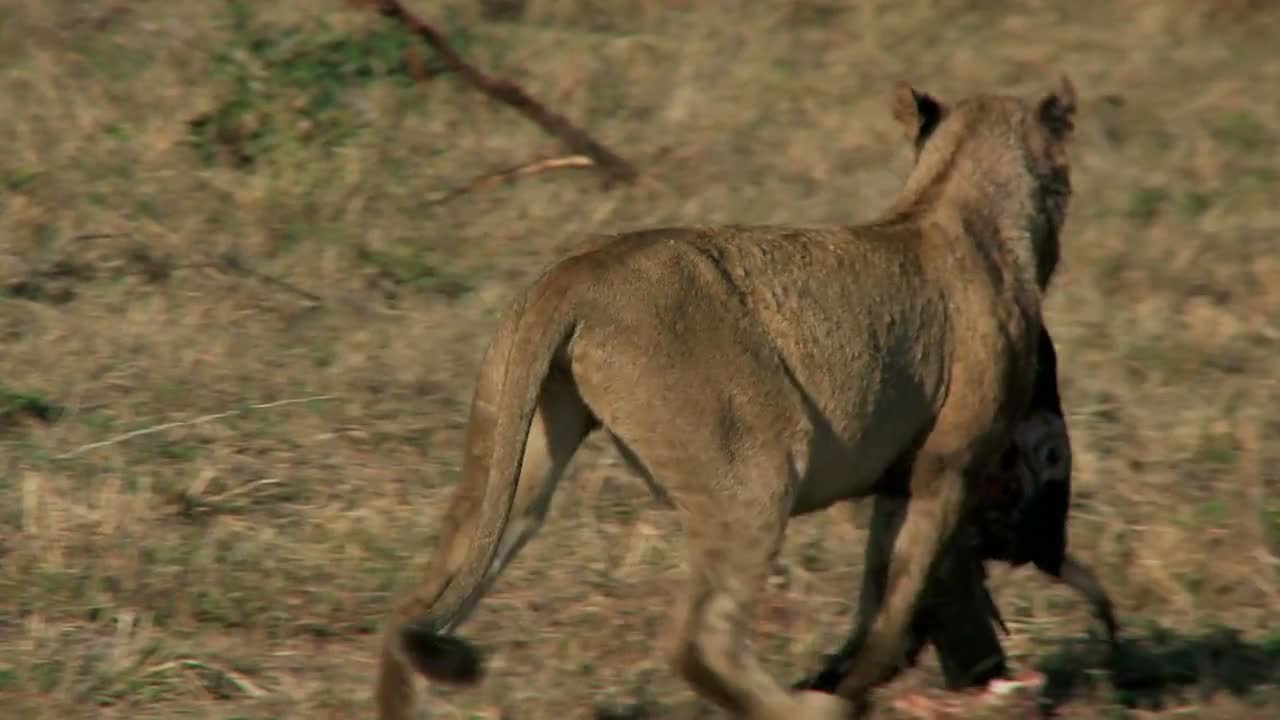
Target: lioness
{"points": [[752, 374], [1018, 515]]}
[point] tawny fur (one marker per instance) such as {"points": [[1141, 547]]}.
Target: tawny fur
{"points": [[752, 374]]}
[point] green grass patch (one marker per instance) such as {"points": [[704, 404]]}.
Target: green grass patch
{"points": [[289, 87]]}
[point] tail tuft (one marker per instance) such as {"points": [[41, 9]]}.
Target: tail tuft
{"points": [[442, 658]]}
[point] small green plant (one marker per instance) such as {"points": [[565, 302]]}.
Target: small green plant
{"points": [[411, 269], [15, 403], [1269, 517], [8, 679], [1217, 448], [288, 86], [18, 180], [1240, 131], [1146, 204], [1195, 203]]}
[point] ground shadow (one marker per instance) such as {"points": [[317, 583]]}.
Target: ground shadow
{"points": [[635, 712], [1160, 668], [1151, 668]]}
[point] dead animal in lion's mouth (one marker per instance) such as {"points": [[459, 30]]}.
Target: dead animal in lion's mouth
{"points": [[1018, 515]]}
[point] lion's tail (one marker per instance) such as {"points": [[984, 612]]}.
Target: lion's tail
{"points": [[476, 521]]}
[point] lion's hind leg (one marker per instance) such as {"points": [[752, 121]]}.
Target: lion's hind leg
{"points": [[734, 532]]}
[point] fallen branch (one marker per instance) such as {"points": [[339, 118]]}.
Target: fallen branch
{"points": [[233, 263], [187, 423], [505, 91], [522, 170], [241, 683]]}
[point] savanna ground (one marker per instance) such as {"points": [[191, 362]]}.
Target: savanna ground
{"points": [[205, 210]]}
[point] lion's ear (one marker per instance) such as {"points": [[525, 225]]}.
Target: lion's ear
{"points": [[917, 112], [1057, 110]]}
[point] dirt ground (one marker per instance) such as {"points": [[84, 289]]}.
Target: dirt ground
{"points": [[240, 219]]}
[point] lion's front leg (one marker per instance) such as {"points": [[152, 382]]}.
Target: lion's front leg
{"points": [[955, 614], [887, 512], [932, 514]]}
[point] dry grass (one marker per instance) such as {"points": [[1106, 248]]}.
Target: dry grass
{"points": [[235, 568]]}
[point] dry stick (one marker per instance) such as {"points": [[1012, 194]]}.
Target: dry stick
{"points": [[187, 423], [229, 262], [505, 91], [522, 170], [237, 267], [234, 264], [243, 683]]}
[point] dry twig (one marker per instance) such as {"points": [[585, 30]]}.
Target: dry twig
{"points": [[505, 91], [522, 170], [187, 423], [233, 263], [242, 683]]}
